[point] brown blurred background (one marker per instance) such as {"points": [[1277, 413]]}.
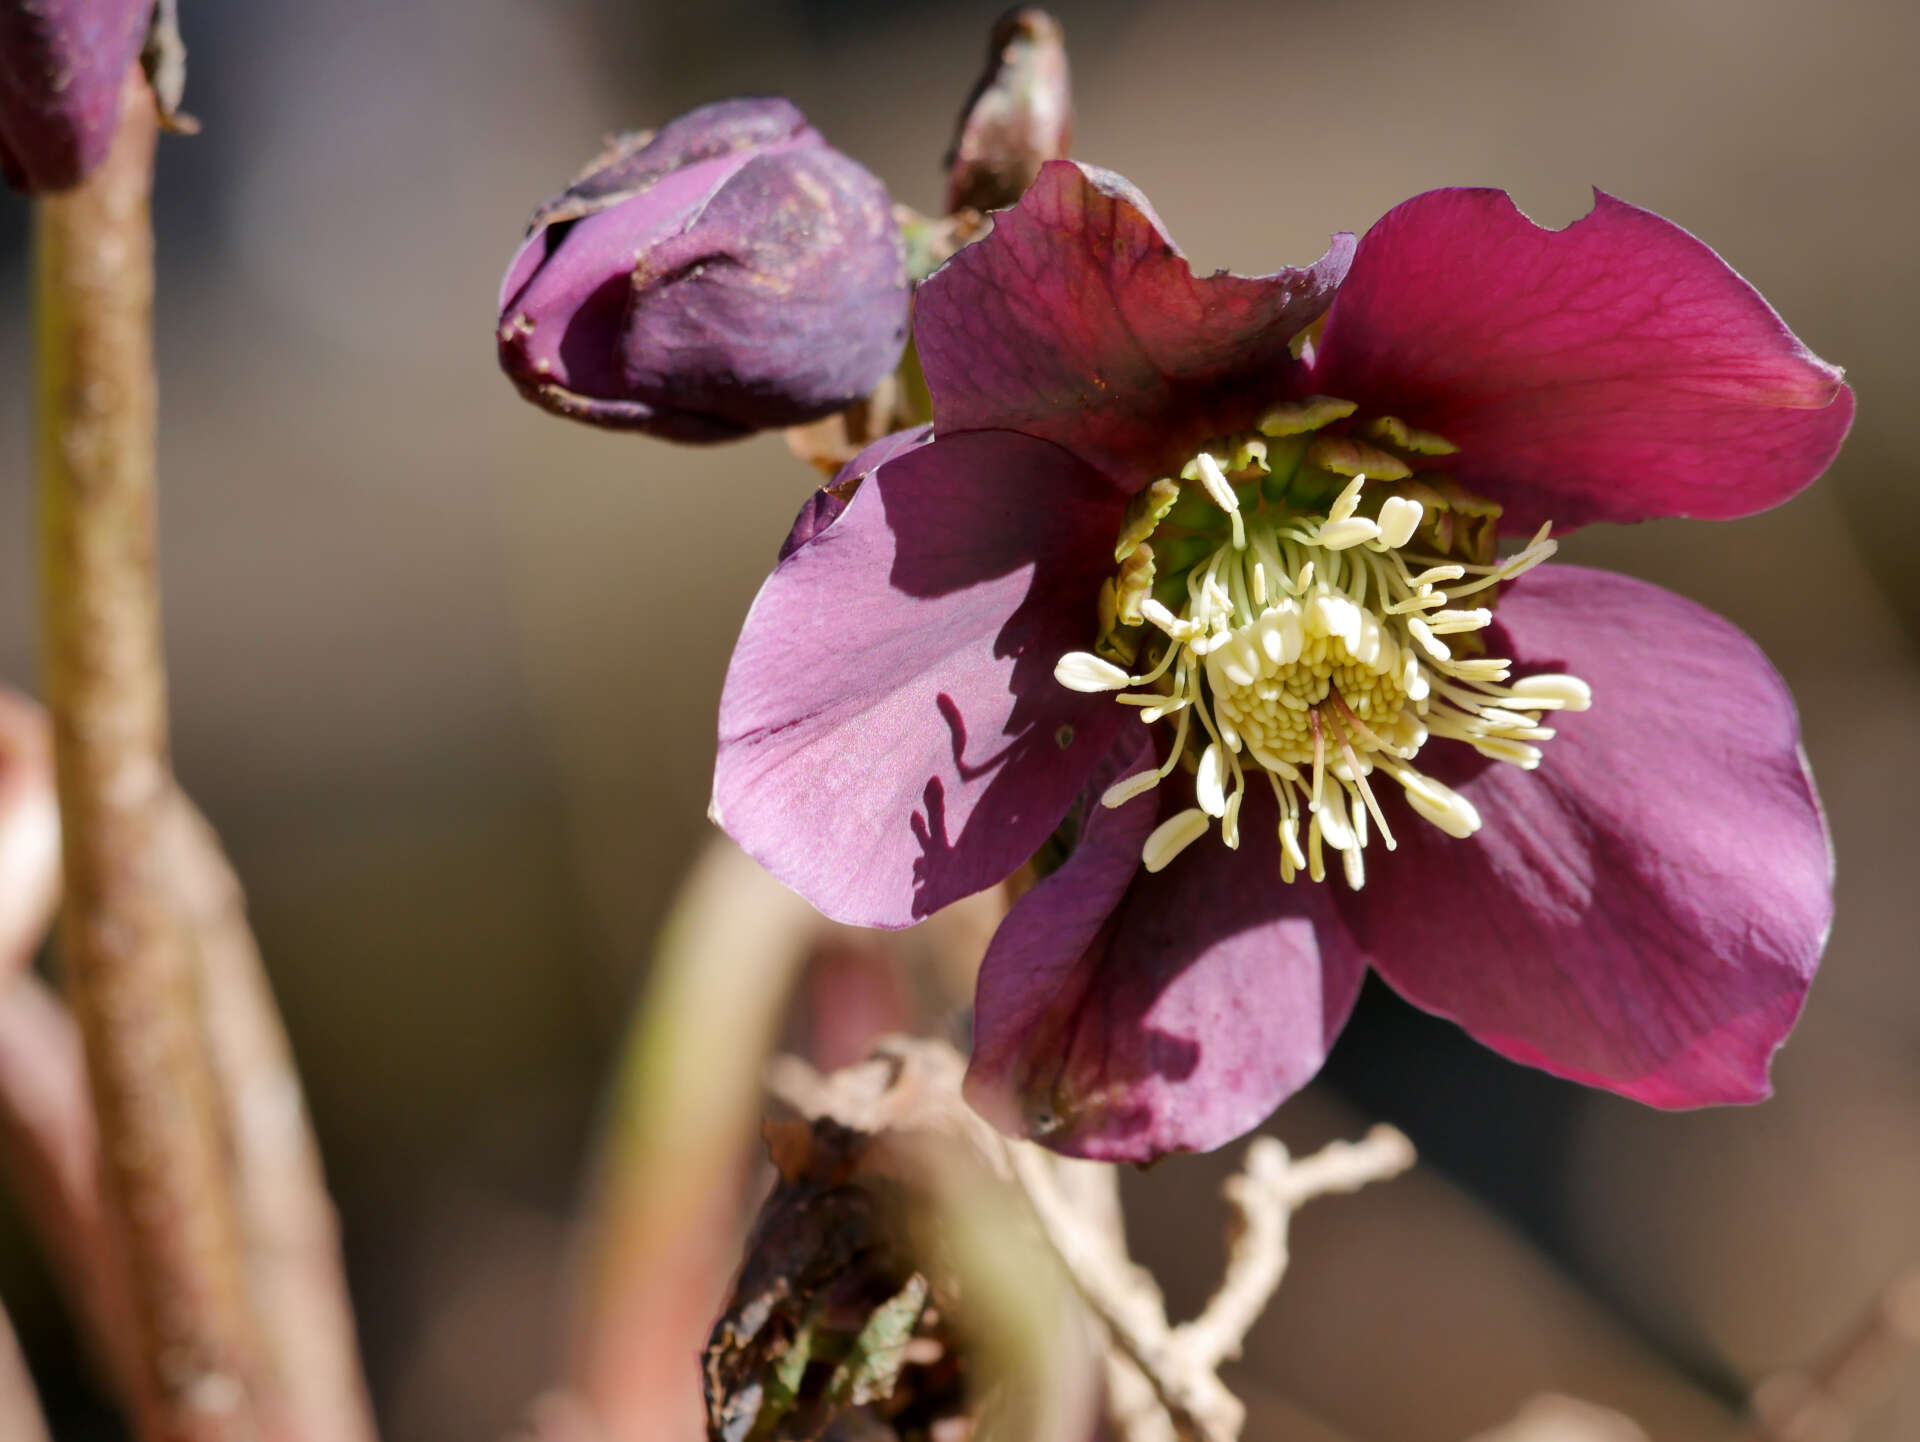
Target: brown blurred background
{"points": [[445, 668]]}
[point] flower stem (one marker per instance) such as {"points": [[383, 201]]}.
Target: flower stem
{"points": [[20, 1417], [126, 952]]}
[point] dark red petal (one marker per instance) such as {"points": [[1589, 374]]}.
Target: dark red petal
{"points": [[1079, 321], [1612, 371], [1122, 1015], [1645, 912]]}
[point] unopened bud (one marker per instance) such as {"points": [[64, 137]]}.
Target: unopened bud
{"points": [[61, 64], [1019, 116], [729, 274]]}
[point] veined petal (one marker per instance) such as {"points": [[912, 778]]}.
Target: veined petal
{"points": [[1612, 371], [1079, 321], [1122, 1015], [1645, 912], [891, 736]]}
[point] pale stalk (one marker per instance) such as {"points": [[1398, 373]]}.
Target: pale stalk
{"points": [[126, 954], [21, 1419], [669, 1197]]}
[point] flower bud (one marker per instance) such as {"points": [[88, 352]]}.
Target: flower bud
{"points": [[1019, 116], [729, 274], [61, 63]]}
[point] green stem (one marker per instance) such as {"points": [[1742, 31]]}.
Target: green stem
{"points": [[126, 952]]}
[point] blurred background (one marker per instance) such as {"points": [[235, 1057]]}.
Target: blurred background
{"points": [[445, 667]]}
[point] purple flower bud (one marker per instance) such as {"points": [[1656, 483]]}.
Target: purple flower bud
{"points": [[729, 274], [61, 63]]}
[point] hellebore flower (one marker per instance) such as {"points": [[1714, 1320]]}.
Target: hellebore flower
{"points": [[1259, 515], [61, 64], [729, 274]]}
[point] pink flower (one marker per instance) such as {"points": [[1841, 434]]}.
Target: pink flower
{"points": [[1191, 595]]}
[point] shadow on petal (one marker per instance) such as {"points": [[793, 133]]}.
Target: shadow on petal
{"points": [[891, 735], [1645, 912], [1122, 1015]]}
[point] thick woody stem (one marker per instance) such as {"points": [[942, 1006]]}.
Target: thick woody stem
{"points": [[125, 948]]}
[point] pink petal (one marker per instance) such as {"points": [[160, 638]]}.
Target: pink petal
{"points": [[824, 506], [1612, 371], [1645, 912], [1122, 1015], [891, 735], [1078, 320]]}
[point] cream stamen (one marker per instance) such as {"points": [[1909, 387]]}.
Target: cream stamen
{"points": [[1173, 836], [1312, 650]]}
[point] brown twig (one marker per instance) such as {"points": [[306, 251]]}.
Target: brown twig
{"points": [[126, 954], [1182, 1363], [1163, 1381], [1830, 1400], [1264, 1197], [897, 1123]]}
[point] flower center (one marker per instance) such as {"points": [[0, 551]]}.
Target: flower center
{"points": [[1303, 627]]}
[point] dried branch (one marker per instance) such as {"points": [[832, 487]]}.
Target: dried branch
{"points": [[127, 957], [1163, 1381], [1182, 1363], [1830, 1400], [1264, 1197], [895, 1209]]}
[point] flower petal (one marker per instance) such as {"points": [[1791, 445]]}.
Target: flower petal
{"points": [[1122, 1015], [1077, 320], [891, 735], [1612, 371], [824, 506], [1645, 912]]}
